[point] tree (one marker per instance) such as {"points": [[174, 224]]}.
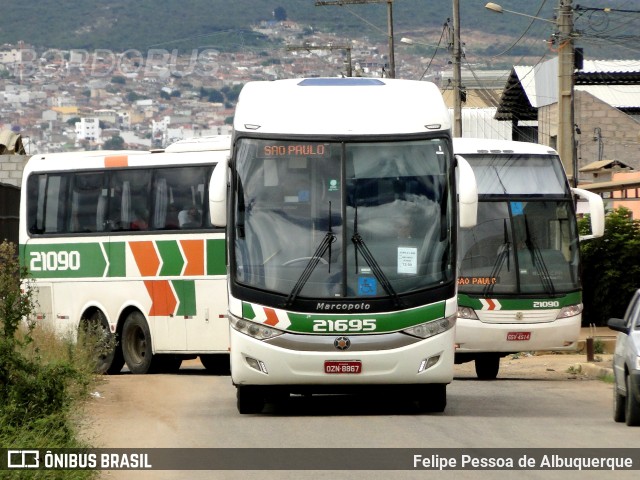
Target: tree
{"points": [[114, 143], [610, 267]]}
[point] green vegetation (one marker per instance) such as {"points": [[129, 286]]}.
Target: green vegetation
{"points": [[610, 267], [114, 143], [43, 379]]}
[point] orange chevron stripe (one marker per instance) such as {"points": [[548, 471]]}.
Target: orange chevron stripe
{"points": [[146, 258], [163, 300], [194, 253], [116, 161], [272, 318]]}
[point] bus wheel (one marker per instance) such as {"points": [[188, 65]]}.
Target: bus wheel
{"points": [[101, 344], [433, 398], [216, 363], [249, 399], [487, 366], [136, 344]]}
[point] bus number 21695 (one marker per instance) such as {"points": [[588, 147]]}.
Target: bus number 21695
{"points": [[51, 261], [345, 325]]}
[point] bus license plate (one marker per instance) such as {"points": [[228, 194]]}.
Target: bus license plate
{"points": [[341, 367], [518, 336]]}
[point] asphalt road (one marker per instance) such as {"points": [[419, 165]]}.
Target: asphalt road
{"points": [[536, 405]]}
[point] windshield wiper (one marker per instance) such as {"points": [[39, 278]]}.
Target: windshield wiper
{"points": [[328, 239], [538, 262], [503, 256], [361, 247]]}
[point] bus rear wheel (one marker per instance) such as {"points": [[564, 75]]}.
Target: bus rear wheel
{"points": [[136, 344], [487, 366], [101, 344]]}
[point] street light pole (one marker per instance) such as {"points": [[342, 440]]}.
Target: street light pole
{"points": [[457, 73]]}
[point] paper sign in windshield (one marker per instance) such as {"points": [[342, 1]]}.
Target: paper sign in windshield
{"points": [[408, 260]]}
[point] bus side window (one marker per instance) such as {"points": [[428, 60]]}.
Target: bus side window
{"points": [[85, 195]]}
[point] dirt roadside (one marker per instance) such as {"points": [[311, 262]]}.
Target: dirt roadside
{"points": [[551, 366]]}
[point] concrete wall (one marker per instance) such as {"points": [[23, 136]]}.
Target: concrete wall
{"points": [[620, 132], [11, 167]]}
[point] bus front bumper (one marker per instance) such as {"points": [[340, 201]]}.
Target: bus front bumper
{"points": [[476, 336], [255, 362]]}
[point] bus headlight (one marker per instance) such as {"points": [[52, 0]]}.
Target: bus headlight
{"points": [[429, 329], [570, 311], [255, 330], [467, 313]]}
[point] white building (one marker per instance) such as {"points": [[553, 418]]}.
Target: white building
{"points": [[88, 129]]}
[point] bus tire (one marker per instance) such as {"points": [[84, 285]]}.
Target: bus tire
{"points": [[632, 407], [433, 398], [136, 344], [249, 399], [106, 351], [216, 363], [487, 366]]}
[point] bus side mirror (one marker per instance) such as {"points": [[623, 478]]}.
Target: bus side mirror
{"points": [[467, 194], [596, 212], [218, 195]]}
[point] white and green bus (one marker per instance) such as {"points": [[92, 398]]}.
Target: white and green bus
{"points": [[341, 226], [519, 279], [121, 241]]}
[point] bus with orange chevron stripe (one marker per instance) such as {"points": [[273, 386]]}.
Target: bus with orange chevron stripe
{"points": [[519, 286], [120, 243]]}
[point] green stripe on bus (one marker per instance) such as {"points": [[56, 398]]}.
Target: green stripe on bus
{"points": [[117, 259], [384, 321], [216, 257], [77, 260], [465, 300], [172, 260], [186, 292]]}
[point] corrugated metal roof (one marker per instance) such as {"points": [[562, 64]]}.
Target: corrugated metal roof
{"points": [[610, 66], [615, 82], [481, 123], [619, 96]]}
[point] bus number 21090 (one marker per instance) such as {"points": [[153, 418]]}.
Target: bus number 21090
{"points": [[52, 261]]}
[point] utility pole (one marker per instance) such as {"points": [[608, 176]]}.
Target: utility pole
{"points": [[566, 53], [327, 47], [457, 74], [392, 60]]}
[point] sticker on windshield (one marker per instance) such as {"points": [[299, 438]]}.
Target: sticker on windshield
{"points": [[517, 208], [367, 286], [408, 260], [334, 185]]}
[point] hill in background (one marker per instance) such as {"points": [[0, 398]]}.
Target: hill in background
{"points": [[186, 24]]}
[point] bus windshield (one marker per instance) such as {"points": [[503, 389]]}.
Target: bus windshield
{"points": [[342, 219], [524, 242]]}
